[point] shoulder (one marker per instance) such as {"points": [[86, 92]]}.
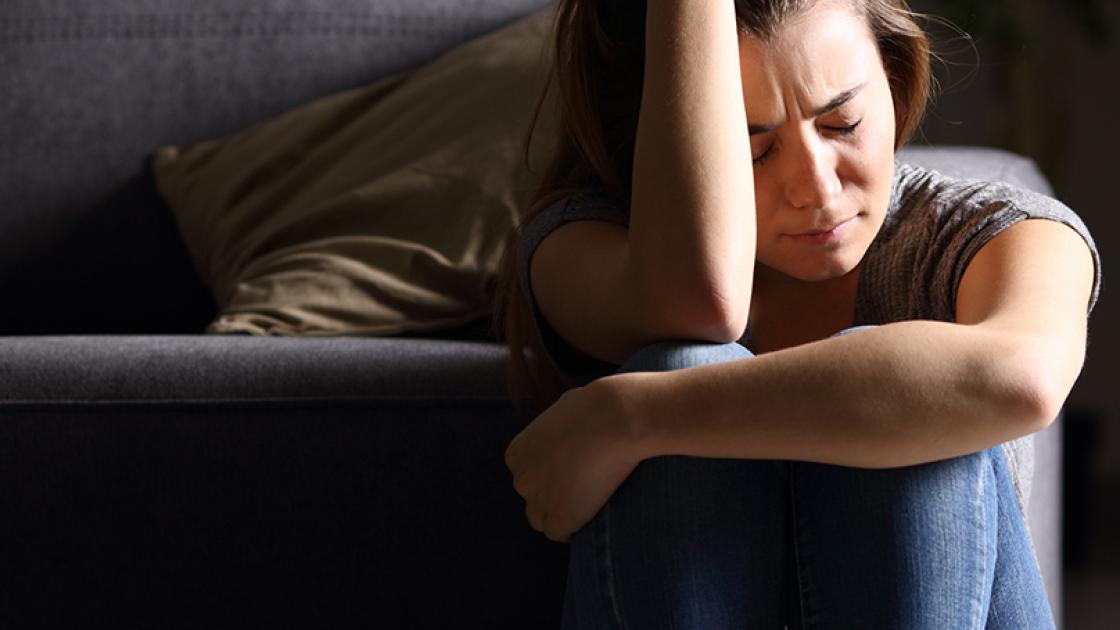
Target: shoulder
{"points": [[953, 212], [937, 223], [591, 203], [925, 193]]}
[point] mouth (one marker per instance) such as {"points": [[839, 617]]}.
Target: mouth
{"points": [[824, 230], [825, 234]]}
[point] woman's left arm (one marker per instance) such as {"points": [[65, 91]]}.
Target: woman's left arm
{"points": [[899, 394], [896, 395]]}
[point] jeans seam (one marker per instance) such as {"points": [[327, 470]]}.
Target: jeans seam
{"points": [[796, 549], [612, 596], [982, 557]]}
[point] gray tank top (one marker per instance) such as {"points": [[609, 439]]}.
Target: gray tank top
{"points": [[934, 226]]}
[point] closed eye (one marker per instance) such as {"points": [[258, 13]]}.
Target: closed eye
{"points": [[845, 131], [762, 158]]}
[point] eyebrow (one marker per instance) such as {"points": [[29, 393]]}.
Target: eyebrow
{"points": [[836, 102]]}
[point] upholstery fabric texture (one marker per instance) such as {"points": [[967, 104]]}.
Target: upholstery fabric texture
{"points": [[212, 368]]}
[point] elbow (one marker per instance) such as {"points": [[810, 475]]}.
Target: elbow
{"points": [[724, 315], [732, 324], [1046, 402], [1038, 399], [705, 302], [1027, 383], [698, 312]]}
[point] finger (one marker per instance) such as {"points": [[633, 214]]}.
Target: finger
{"points": [[519, 486], [554, 528], [525, 482], [555, 533], [535, 517], [558, 530], [524, 486]]}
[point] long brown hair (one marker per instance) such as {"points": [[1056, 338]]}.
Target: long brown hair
{"points": [[598, 58]]}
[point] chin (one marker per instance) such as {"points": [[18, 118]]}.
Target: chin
{"points": [[824, 273], [818, 270]]}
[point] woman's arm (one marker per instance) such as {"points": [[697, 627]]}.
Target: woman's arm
{"points": [[692, 221], [900, 394]]}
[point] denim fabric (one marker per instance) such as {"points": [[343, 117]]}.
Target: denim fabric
{"points": [[705, 543]]}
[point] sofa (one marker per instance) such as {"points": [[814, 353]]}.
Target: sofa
{"points": [[155, 476]]}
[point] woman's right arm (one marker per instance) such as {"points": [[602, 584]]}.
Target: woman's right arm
{"points": [[692, 220], [683, 268]]}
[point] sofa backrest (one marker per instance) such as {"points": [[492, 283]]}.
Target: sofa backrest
{"points": [[89, 89]]}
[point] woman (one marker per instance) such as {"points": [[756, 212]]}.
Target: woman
{"points": [[723, 209]]}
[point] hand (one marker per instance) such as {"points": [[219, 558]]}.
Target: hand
{"points": [[570, 459]]}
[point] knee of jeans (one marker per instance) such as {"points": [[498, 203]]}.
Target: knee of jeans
{"points": [[956, 473], [674, 355], [854, 329]]}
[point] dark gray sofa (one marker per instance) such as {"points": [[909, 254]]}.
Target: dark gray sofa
{"points": [[152, 476]]}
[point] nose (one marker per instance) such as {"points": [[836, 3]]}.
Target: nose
{"points": [[812, 182]]}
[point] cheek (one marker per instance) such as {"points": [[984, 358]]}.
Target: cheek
{"points": [[869, 157], [881, 140], [767, 201]]}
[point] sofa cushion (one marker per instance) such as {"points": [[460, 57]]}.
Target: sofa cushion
{"points": [[53, 371], [375, 211]]}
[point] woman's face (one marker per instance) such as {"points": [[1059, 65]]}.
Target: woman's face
{"points": [[822, 138]]}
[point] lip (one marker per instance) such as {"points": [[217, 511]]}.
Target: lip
{"points": [[826, 235]]}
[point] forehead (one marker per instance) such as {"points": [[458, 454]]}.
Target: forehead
{"points": [[814, 54]]}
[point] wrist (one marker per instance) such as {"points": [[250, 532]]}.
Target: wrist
{"points": [[634, 400]]}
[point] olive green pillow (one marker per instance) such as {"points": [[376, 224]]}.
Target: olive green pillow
{"points": [[375, 211]]}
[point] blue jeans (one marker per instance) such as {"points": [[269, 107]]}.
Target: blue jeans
{"points": [[705, 544]]}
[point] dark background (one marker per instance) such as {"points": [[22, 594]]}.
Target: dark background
{"points": [[1042, 78]]}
